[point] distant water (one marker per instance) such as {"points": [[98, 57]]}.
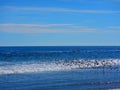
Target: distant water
{"points": [[60, 68]]}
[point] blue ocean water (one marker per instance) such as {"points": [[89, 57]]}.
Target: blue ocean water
{"points": [[60, 68]]}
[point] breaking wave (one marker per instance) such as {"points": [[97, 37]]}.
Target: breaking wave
{"points": [[57, 66]]}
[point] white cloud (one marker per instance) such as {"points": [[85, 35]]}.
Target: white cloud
{"points": [[53, 28], [46, 28], [55, 9]]}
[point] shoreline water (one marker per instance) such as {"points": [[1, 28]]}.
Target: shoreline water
{"points": [[88, 79], [57, 68]]}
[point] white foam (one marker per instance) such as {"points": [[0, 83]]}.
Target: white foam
{"points": [[56, 66], [115, 89]]}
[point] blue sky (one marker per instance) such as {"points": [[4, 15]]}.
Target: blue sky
{"points": [[59, 22]]}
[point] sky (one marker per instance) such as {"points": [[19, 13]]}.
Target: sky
{"points": [[59, 22]]}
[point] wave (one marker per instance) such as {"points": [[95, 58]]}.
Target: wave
{"points": [[114, 89], [57, 66]]}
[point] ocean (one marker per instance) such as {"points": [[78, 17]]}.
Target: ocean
{"points": [[60, 68]]}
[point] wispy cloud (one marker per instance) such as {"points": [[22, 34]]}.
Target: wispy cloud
{"points": [[55, 9], [117, 31], [38, 25], [54, 28], [114, 27], [46, 28]]}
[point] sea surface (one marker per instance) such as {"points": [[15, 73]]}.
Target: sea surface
{"points": [[60, 68]]}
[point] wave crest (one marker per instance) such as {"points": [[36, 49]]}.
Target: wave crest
{"points": [[57, 66]]}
